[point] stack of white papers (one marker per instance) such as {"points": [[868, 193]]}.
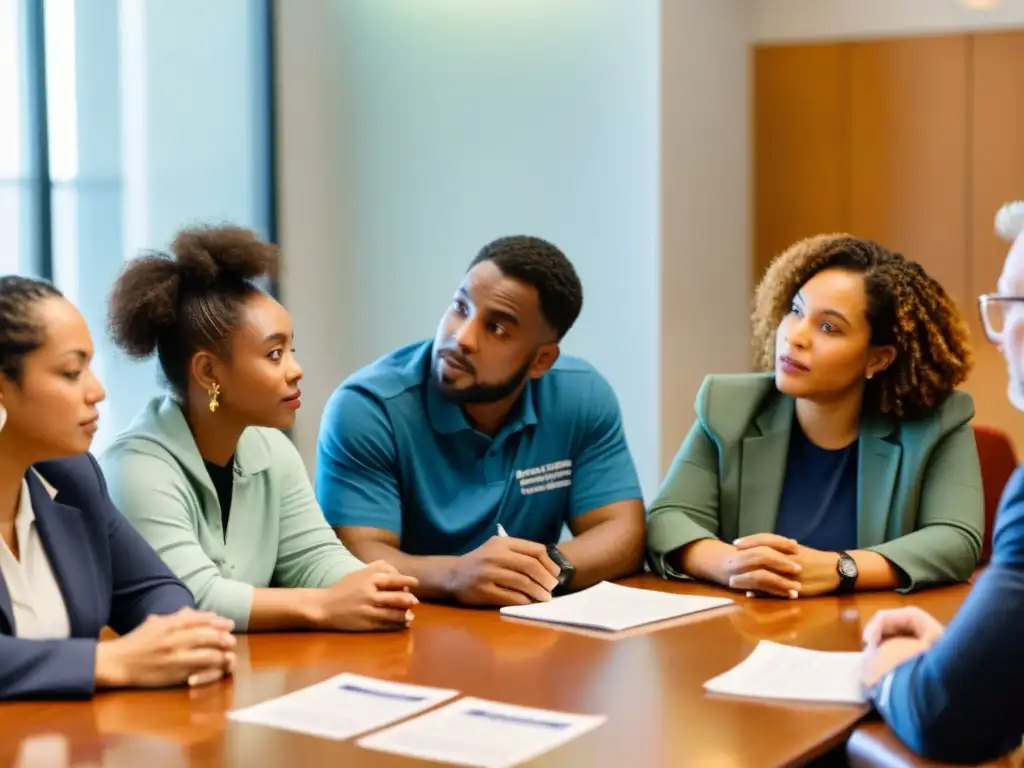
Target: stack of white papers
{"points": [[343, 706], [775, 671], [481, 733], [614, 607]]}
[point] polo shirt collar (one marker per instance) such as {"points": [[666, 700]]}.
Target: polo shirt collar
{"points": [[445, 415], [447, 418], [527, 411]]}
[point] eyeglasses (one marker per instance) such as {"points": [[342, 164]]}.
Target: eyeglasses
{"points": [[997, 312]]}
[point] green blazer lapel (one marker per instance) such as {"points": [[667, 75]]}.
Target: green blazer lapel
{"points": [[764, 467], [879, 463]]}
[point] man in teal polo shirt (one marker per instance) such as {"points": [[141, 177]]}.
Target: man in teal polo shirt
{"points": [[459, 459]]}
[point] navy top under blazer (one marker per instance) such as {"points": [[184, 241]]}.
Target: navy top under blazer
{"points": [[107, 573]]}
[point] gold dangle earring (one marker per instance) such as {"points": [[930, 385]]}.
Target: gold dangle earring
{"points": [[214, 391]]}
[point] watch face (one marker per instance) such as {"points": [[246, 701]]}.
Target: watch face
{"points": [[565, 575], [848, 567]]}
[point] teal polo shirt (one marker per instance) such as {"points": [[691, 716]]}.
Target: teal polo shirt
{"points": [[395, 454]]}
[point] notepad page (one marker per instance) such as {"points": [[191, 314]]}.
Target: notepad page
{"points": [[614, 607], [775, 671], [484, 734], [343, 706]]}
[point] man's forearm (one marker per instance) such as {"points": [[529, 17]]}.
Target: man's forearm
{"points": [[434, 573], [606, 552]]}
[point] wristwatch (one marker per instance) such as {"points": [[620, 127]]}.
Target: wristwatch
{"points": [[566, 570], [848, 573]]}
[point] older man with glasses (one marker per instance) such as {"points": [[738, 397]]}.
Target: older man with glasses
{"points": [[956, 694]]}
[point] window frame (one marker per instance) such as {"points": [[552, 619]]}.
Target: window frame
{"points": [[41, 180]]}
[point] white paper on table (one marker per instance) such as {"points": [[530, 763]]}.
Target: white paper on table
{"points": [[614, 607], [775, 671], [476, 732], [343, 706]]}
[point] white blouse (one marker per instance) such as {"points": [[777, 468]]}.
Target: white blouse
{"points": [[39, 609]]}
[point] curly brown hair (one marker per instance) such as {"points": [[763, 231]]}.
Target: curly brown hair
{"points": [[177, 303], [907, 309]]}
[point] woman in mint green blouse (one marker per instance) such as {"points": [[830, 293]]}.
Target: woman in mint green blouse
{"points": [[205, 474]]}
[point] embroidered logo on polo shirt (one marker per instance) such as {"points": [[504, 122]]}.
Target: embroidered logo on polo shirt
{"points": [[547, 477]]}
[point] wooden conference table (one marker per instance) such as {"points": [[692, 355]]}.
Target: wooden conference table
{"points": [[648, 683]]}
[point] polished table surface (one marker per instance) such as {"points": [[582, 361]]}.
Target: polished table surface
{"points": [[647, 681]]}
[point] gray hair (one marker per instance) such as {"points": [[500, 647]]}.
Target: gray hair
{"points": [[1010, 220]]}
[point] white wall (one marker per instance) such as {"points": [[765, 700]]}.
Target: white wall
{"points": [[705, 203], [314, 231], [414, 131], [789, 20]]}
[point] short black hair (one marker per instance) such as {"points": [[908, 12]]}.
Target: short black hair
{"points": [[20, 332], [176, 303], [543, 266]]}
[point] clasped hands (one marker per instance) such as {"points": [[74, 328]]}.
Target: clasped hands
{"points": [[769, 564]]}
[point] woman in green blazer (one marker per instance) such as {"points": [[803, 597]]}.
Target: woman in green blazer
{"points": [[852, 465]]}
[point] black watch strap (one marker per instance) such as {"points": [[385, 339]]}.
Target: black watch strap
{"points": [[846, 567], [566, 570]]}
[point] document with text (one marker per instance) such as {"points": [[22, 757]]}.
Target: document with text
{"points": [[614, 607], [775, 671], [343, 706], [475, 732]]}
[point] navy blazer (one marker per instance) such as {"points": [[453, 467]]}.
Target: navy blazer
{"points": [[961, 701], [107, 573]]}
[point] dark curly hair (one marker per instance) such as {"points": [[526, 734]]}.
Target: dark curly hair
{"points": [[20, 332], [907, 309], [190, 299], [543, 266]]}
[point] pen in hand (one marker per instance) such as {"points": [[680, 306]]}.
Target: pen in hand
{"points": [[504, 534]]}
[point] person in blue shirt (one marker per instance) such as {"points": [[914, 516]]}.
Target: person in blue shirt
{"points": [[954, 694], [458, 460]]}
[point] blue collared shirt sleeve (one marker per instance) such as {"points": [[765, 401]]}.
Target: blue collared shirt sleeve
{"points": [[357, 464], [961, 701], [602, 470]]}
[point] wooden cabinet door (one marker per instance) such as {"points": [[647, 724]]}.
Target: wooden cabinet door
{"points": [[908, 151], [801, 116], [997, 177]]}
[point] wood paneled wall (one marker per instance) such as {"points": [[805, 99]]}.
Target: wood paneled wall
{"points": [[997, 177], [912, 142], [801, 168]]}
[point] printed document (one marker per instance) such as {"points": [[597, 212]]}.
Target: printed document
{"points": [[614, 607], [343, 706], [775, 671], [475, 732]]}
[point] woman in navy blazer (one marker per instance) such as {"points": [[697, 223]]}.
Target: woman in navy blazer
{"points": [[70, 564]]}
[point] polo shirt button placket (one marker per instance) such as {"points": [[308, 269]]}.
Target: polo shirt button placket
{"points": [[493, 461]]}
